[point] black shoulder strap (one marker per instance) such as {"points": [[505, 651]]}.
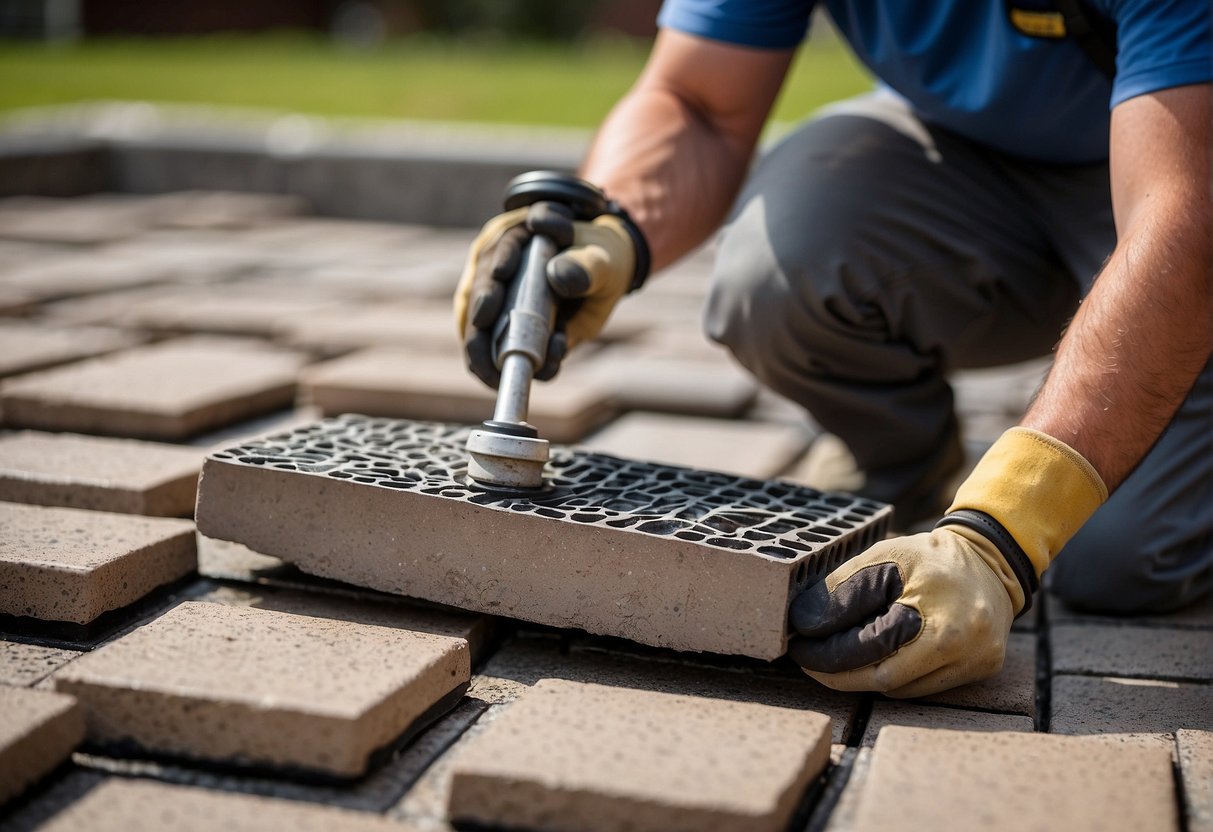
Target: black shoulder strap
{"points": [[1094, 33]]}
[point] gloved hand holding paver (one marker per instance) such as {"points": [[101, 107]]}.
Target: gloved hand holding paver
{"points": [[952, 220]]}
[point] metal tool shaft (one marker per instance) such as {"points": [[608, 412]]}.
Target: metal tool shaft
{"points": [[521, 340]]}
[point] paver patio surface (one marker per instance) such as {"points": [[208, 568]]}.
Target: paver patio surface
{"points": [[1116, 712]]}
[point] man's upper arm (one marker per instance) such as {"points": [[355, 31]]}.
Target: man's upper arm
{"points": [[730, 88], [1159, 154]]}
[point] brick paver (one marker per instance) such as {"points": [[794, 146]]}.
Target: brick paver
{"points": [[38, 730], [643, 760], [1195, 754], [25, 347], [386, 381], [519, 664], [886, 713], [144, 806], [640, 381], [249, 686], [22, 665], [120, 475], [925, 779], [156, 261], [70, 565], [379, 610], [1093, 705], [664, 556], [1151, 653], [165, 391], [746, 449], [240, 308]]}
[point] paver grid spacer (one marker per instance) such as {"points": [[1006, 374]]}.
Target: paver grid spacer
{"points": [[789, 535]]}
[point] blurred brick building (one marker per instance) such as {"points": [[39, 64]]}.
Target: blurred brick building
{"points": [[531, 18]]}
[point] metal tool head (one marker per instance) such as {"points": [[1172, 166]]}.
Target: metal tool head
{"points": [[507, 456]]}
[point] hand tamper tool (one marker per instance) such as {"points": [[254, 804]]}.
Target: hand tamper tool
{"points": [[505, 452]]}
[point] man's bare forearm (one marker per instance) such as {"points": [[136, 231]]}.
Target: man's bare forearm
{"points": [[1145, 331], [675, 175], [1132, 352], [675, 150]]}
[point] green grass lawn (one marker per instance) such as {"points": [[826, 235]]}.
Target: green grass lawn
{"points": [[416, 78]]}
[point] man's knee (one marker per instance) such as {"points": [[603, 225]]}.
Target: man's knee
{"points": [[1118, 564], [780, 301]]}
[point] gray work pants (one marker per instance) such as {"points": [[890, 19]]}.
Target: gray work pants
{"points": [[870, 253]]}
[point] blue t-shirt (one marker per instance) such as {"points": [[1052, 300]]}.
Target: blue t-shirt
{"points": [[962, 65]]}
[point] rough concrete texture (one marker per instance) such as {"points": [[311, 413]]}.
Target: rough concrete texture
{"points": [[643, 761], [521, 663], [119, 475], [424, 326], [241, 308], [886, 713], [922, 779], [404, 383], [1012, 691], [73, 275], [665, 556], [250, 686], [25, 347], [119, 805], [1197, 616], [674, 385], [1092, 705], [365, 608], [99, 218], [63, 564], [165, 391], [1195, 752], [22, 665], [744, 449], [38, 730], [1146, 652]]}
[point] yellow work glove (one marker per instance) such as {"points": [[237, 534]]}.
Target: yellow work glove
{"points": [[916, 615], [598, 263]]}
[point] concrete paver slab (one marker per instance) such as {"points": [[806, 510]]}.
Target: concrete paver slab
{"points": [[1195, 752], [424, 326], [1013, 690], [74, 275], [223, 209], [100, 218], [886, 713], [922, 779], [25, 347], [120, 475], [1197, 616], [252, 686], [241, 308], [1091, 705], [745, 449], [476, 630], [640, 381], [119, 805], [1147, 652], [644, 760], [665, 556], [521, 663], [38, 730], [63, 564], [165, 391], [22, 665], [388, 381]]}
